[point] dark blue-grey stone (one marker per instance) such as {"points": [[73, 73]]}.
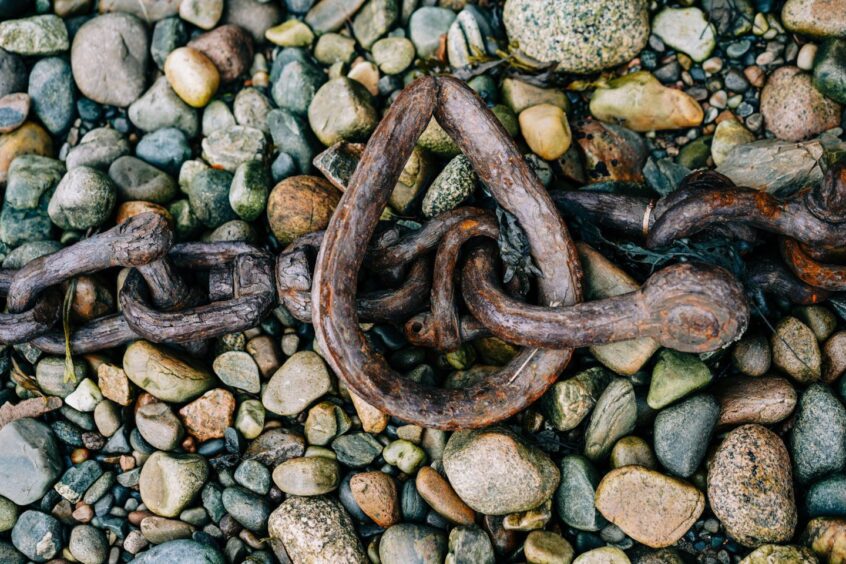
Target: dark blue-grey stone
{"points": [[77, 479], [13, 8], [827, 498], [52, 90], [408, 543], [208, 193], [212, 498], [38, 536], [30, 461], [413, 507], [165, 148], [249, 509], [296, 86], [682, 433], [117, 443], [283, 166], [8, 554], [168, 34], [292, 135], [818, 441], [289, 55], [575, 494], [183, 551], [356, 450], [13, 77]]}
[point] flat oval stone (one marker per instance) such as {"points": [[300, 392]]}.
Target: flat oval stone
{"points": [[613, 417], [437, 492], [165, 375], [301, 380], [182, 550], [654, 509], [750, 487], [375, 493], [52, 93], [30, 461], [83, 199], [682, 433], [765, 400], [306, 476], [574, 498]]}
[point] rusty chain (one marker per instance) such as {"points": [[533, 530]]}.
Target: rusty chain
{"points": [[689, 307]]}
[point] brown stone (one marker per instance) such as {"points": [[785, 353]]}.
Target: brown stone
{"points": [[653, 509], [834, 357], [376, 495], [826, 536], [92, 298], [300, 205], [229, 47], [160, 529], [438, 493], [28, 139], [264, 351], [208, 416], [764, 400], [114, 384], [793, 109], [372, 420], [750, 486], [610, 152], [136, 207]]}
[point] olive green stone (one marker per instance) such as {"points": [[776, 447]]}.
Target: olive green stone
{"points": [[676, 375], [334, 48], [436, 140], [208, 194], [249, 189], [311, 475], [393, 54], [569, 401], [163, 374], [83, 199], [169, 482], [326, 421], [36, 35], [374, 20]]}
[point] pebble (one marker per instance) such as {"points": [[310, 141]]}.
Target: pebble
{"points": [[334, 48], [37, 535], [299, 205], [163, 374], [405, 455], [326, 421], [299, 382], [793, 109], [796, 351], [829, 69], [316, 529], [83, 199], [169, 482], [183, 550], [774, 166], [238, 370], [772, 553], [633, 450], [227, 149], [496, 473], [208, 193], [613, 417], [686, 29], [582, 37], [641, 103], [8, 514], [728, 135], [161, 107], [34, 36], [376, 495], [393, 54], [818, 18], [574, 499], [28, 139], [14, 109], [52, 93], [652, 508], [13, 75], [750, 487], [247, 508], [88, 545], [208, 416], [202, 13], [452, 186], [546, 130], [330, 15], [682, 433], [165, 148], [468, 545], [297, 85], [342, 110], [765, 400], [159, 425], [674, 376], [109, 58], [230, 47], [409, 543], [85, 397], [192, 75], [307, 476], [817, 441], [98, 149], [292, 33], [24, 479], [438, 493], [158, 530], [134, 179]]}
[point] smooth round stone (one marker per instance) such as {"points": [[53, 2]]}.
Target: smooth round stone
{"points": [[676, 375], [819, 18], [300, 205], [292, 33], [582, 37], [169, 482], [165, 148], [827, 498], [109, 58], [750, 487], [246, 507], [316, 529], [330, 15], [253, 16], [357, 449], [342, 110], [796, 351], [297, 85], [159, 425], [751, 355], [779, 554], [793, 109], [50, 376], [633, 451], [192, 76], [575, 494], [375, 493], [442, 498], [52, 93], [393, 54], [238, 370], [496, 473], [818, 440], [604, 555], [687, 30], [304, 372], [202, 13], [326, 421], [682, 433], [161, 107], [107, 417], [30, 461], [820, 319], [546, 130], [307, 476], [230, 47], [216, 116], [98, 149], [728, 135], [14, 109], [613, 417], [13, 75], [83, 199], [654, 509], [455, 183], [208, 416], [253, 476], [334, 48], [158, 530], [88, 545], [163, 374], [28, 139], [426, 26], [34, 36], [38, 536], [546, 547], [251, 108], [408, 543], [208, 193], [8, 514], [825, 537], [137, 180], [182, 550], [764, 400], [374, 20]]}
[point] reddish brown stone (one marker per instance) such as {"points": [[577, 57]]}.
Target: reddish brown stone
{"points": [[208, 416]]}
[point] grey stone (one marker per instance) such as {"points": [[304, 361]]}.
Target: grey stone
{"points": [[182, 550], [52, 91], [248, 508], [425, 28], [30, 461], [574, 499], [13, 76], [342, 110], [83, 199], [613, 417], [38, 536], [682, 433], [818, 441], [160, 107], [137, 180], [470, 545], [88, 545], [291, 136], [209, 197], [296, 85], [408, 543], [98, 149]]}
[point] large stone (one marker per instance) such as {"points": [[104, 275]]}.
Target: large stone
{"points": [[83, 199], [317, 530], [613, 417], [30, 461], [52, 92], [35, 36], [342, 110], [682, 433], [300, 205], [818, 440], [653, 509], [161, 107], [169, 482], [495, 472], [300, 381], [820, 18], [38, 536], [793, 109], [165, 375], [109, 57], [583, 37], [750, 487]]}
